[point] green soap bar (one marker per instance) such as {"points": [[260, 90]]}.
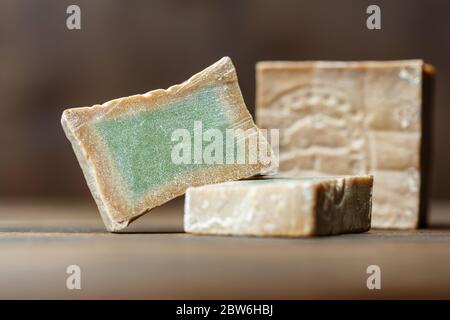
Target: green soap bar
{"points": [[139, 142], [126, 146]]}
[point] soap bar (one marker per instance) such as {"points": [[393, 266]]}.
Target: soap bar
{"points": [[290, 207], [126, 146], [354, 118]]}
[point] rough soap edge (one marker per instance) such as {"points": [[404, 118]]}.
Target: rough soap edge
{"points": [[426, 147], [90, 178], [322, 187], [363, 64], [108, 106]]}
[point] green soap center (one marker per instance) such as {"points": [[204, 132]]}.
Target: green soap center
{"points": [[141, 143]]}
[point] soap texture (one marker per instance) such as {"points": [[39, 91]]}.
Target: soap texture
{"points": [[288, 207], [354, 118], [125, 146]]}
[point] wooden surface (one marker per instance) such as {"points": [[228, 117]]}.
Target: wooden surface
{"points": [[155, 260]]}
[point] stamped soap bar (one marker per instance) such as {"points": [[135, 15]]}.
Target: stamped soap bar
{"points": [[288, 207], [141, 151], [352, 118]]}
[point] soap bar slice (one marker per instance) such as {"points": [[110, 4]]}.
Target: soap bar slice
{"points": [[352, 118], [288, 207], [125, 146]]}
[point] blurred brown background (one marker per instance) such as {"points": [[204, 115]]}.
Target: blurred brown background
{"points": [[129, 47]]}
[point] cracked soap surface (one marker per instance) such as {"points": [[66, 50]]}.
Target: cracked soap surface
{"points": [[141, 143], [290, 207]]}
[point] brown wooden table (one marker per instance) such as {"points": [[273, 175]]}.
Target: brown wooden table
{"points": [[156, 260]]}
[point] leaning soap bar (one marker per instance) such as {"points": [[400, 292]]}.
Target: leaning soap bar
{"points": [[288, 207], [126, 146], [352, 118]]}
